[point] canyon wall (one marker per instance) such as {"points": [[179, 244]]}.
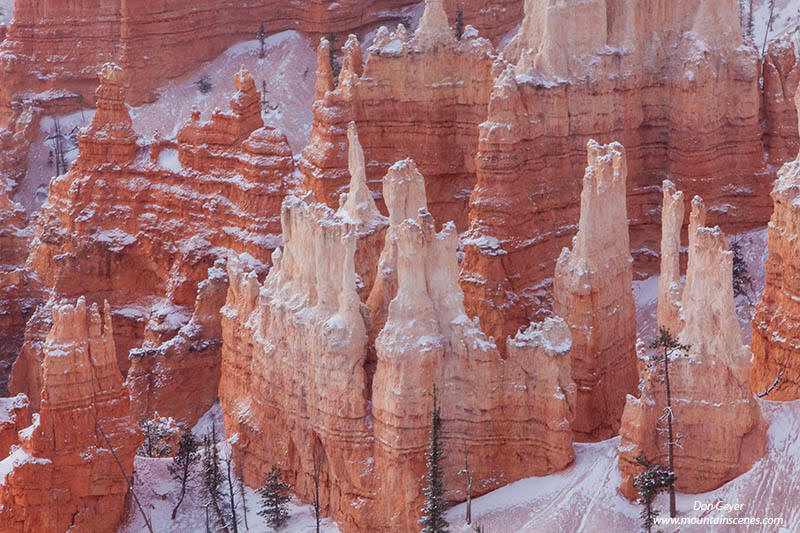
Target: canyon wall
{"points": [[310, 373], [415, 96], [18, 291], [59, 46], [63, 475], [142, 225], [776, 330], [592, 291], [669, 80], [717, 421]]}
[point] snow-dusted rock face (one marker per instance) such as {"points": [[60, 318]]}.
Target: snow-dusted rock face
{"points": [[659, 77], [55, 45], [18, 291], [776, 329], [302, 365], [669, 281], [63, 475], [781, 71], [15, 415], [430, 88], [593, 291], [717, 421], [142, 225]]}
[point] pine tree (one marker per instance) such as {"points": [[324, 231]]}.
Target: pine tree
{"points": [[459, 22], [654, 479], [262, 38], [668, 347], [213, 478], [274, 498], [433, 520], [742, 282], [181, 467]]}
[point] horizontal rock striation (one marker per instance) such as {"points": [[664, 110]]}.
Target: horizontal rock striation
{"points": [[63, 475], [310, 373], [657, 78], [776, 332], [141, 224], [593, 292], [717, 421], [415, 96]]}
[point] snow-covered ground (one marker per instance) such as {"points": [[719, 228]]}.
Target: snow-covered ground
{"points": [[585, 496], [786, 18], [32, 192], [158, 493], [289, 70]]}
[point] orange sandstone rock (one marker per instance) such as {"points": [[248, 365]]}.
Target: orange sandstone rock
{"points": [[302, 370], [593, 291], [669, 281], [141, 225], [776, 331], [63, 476], [717, 421], [14, 416], [433, 90], [655, 77]]}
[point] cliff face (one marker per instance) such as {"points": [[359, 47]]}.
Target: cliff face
{"points": [[593, 292], [19, 292], [717, 420], [82, 389], [431, 89], [775, 328], [304, 377], [53, 45], [654, 77], [142, 225]]}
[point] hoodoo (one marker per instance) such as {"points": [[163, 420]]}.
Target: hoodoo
{"points": [[716, 419], [592, 290], [83, 422]]}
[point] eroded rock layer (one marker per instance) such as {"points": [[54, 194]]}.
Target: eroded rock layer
{"points": [[417, 97], [593, 291], [63, 475], [669, 80], [55, 45], [19, 292], [776, 329], [302, 378], [716, 419], [142, 225]]}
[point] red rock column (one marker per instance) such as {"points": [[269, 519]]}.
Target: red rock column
{"points": [[716, 419], [593, 292]]}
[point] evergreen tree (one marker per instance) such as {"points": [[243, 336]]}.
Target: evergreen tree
{"points": [[181, 467], [668, 346], [742, 282], [459, 22], [274, 498], [433, 520], [262, 38], [654, 479], [213, 478]]}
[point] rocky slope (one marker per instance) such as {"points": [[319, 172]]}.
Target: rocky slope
{"points": [[300, 361], [83, 403]]}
